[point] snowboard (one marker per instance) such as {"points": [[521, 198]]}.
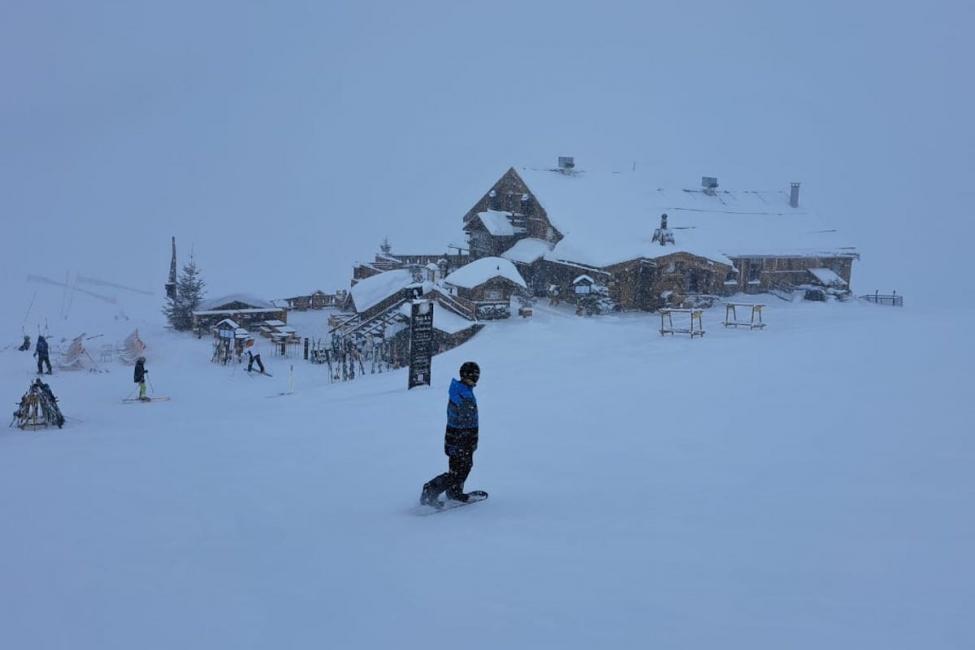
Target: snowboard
{"points": [[258, 372], [476, 497], [136, 400]]}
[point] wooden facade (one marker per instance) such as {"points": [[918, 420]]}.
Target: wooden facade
{"points": [[243, 313], [528, 217], [316, 300], [644, 283], [759, 274]]}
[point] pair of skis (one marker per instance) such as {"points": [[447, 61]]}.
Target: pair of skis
{"points": [[144, 400]]}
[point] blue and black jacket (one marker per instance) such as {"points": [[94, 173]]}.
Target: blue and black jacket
{"points": [[461, 420], [41, 348]]}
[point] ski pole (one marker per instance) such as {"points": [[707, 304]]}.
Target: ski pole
{"points": [[151, 387]]}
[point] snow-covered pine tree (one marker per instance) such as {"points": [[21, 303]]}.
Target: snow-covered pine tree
{"points": [[190, 290]]}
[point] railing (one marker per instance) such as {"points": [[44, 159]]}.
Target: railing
{"points": [[878, 298], [356, 324], [455, 305]]}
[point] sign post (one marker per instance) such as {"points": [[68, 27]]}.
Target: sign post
{"points": [[421, 342]]}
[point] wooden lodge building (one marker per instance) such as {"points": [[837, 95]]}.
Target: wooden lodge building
{"points": [[652, 246], [244, 310], [315, 300]]}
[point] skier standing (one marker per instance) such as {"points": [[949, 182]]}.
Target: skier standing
{"points": [[41, 352], [460, 440], [139, 377]]}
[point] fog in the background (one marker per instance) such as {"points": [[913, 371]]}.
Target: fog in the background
{"points": [[283, 141]]}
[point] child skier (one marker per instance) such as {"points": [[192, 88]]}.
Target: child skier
{"points": [[41, 352], [460, 440], [139, 376]]}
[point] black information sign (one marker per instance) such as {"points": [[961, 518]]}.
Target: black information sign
{"points": [[421, 342]]}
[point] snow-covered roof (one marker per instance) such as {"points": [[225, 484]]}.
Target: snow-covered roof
{"points": [[217, 312], [229, 324], [372, 291], [247, 299], [828, 277], [610, 217], [497, 223], [443, 319], [480, 271], [527, 250]]}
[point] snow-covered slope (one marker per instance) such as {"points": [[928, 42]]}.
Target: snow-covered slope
{"points": [[808, 486]]}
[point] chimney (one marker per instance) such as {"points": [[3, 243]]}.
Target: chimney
{"points": [[662, 235], [494, 202], [794, 195], [567, 164], [710, 184]]}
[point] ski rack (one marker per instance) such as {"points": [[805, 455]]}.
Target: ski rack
{"points": [[731, 316], [667, 322]]}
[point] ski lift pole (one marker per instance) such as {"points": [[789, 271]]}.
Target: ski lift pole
{"points": [[291, 379]]}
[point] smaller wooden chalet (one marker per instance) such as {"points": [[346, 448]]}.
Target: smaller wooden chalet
{"points": [[488, 284], [245, 310], [314, 300]]}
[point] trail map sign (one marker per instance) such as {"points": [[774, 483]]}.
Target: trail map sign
{"points": [[421, 342]]}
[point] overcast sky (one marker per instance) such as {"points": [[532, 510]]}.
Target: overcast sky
{"points": [[284, 140]]}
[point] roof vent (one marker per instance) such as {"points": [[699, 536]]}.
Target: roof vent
{"points": [[567, 164], [710, 184]]}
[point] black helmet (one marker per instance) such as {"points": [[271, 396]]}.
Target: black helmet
{"points": [[470, 370]]}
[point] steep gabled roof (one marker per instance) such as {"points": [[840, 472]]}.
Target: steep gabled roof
{"points": [[609, 217]]}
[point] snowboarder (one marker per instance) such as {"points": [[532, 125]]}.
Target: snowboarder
{"points": [[139, 376], [252, 359], [460, 440], [25, 346], [41, 352]]}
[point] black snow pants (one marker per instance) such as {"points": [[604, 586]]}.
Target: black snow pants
{"points": [[41, 360], [452, 481]]}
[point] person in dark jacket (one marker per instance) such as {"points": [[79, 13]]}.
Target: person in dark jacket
{"points": [[460, 440], [25, 346], [41, 352], [139, 377]]}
